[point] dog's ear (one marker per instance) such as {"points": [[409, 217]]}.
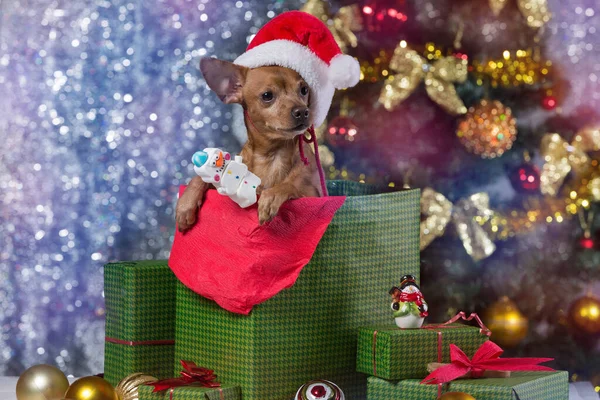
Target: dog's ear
{"points": [[226, 79]]}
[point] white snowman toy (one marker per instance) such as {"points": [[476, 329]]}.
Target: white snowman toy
{"points": [[230, 177], [408, 305]]}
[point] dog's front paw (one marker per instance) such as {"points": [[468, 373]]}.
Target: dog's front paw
{"points": [[269, 203], [186, 212]]}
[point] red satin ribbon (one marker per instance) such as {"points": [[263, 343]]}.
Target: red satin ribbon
{"points": [[461, 315], [139, 342], [192, 375], [486, 358]]}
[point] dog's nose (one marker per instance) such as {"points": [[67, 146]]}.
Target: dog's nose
{"points": [[300, 114]]}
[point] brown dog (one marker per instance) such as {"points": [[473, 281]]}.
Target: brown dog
{"points": [[276, 101]]}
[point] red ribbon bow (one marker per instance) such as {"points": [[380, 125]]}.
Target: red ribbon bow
{"points": [[192, 375], [486, 358]]}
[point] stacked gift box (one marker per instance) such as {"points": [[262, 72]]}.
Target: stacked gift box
{"points": [[309, 331], [303, 333], [397, 361]]}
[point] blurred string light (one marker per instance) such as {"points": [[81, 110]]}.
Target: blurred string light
{"points": [[514, 68], [102, 105]]}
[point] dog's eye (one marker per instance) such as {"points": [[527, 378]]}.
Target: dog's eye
{"points": [[304, 90], [267, 96]]}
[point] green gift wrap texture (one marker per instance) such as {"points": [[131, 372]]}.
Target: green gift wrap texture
{"points": [[405, 353], [310, 330], [192, 393], [520, 386], [140, 316]]}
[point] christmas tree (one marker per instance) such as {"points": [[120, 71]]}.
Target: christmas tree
{"points": [[464, 100]]}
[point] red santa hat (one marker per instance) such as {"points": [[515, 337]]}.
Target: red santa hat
{"points": [[302, 42]]}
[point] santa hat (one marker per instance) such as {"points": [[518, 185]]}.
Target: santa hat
{"points": [[301, 42]]}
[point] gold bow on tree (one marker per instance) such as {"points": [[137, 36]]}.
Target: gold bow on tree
{"points": [[468, 216], [562, 158], [439, 77], [478, 226], [342, 25], [535, 11]]}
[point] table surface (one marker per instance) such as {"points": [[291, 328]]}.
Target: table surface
{"points": [[577, 391]]}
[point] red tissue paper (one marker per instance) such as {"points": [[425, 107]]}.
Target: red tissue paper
{"points": [[229, 258]]}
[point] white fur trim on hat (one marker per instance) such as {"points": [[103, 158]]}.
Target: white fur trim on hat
{"points": [[344, 71], [313, 70]]}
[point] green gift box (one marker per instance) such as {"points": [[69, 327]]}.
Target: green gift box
{"points": [[520, 386], [392, 353], [310, 330], [225, 392], [140, 319]]}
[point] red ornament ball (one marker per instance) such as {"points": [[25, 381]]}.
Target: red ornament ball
{"points": [[526, 178], [318, 391], [587, 242], [549, 102]]}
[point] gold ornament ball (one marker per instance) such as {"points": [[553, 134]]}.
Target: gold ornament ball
{"points": [[456, 396], [91, 388], [42, 382], [585, 314], [488, 129], [508, 325], [127, 389]]}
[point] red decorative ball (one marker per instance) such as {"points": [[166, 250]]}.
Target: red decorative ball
{"points": [[318, 391], [587, 242], [526, 178], [549, 102]]}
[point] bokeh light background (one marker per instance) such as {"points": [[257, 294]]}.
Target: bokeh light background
{"points": [[102, 106]]}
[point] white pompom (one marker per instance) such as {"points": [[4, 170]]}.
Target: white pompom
{"points": [[344, 71]]}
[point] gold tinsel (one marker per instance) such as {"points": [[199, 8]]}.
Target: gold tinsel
{"points": [[488, 129], [342, 25], [562, 158], [439, 77], [376, 70], [535, 11], [514, 68]]}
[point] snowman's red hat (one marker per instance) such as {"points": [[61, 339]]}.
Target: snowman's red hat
{"points": [[302, 42]]}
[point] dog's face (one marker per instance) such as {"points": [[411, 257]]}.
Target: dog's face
{"points": [[276, 98]]}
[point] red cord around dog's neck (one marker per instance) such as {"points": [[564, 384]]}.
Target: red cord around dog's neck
{"points": [[311, 139]]}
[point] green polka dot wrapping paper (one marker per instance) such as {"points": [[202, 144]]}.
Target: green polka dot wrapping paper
{"points": [[520, 386], [310, 331], [392, 353], [191, 393], [140, 319]]}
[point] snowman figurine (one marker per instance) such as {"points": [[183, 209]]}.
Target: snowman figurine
{"points": [[408, 304], [230, 177]]}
